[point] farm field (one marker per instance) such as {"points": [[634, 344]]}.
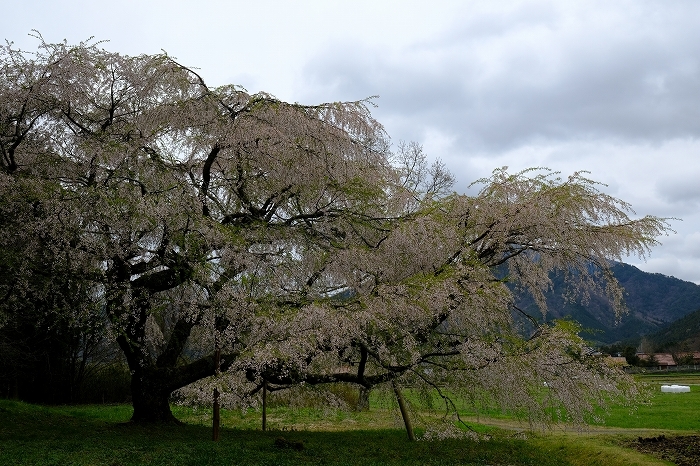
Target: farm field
{"points": [[98, 434], [666, 411]]}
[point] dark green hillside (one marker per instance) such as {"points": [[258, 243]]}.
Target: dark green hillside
{"points": [[681, 335], [653, 294], [654, 301]]}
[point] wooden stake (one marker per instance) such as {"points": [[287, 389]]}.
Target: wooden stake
{"points": [[216, 418], [264, 406], [404, 412]]}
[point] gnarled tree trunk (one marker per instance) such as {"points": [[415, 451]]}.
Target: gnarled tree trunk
{"points": [[152, 385], [150, 394]]}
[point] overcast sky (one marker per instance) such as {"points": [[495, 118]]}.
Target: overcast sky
{"points": [[608, 87]]}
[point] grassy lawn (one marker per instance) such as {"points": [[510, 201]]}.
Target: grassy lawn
{"points": [[98, 435], [665, 411]]}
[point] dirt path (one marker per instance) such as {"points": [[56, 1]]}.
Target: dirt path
{"points": [[510, 424]]}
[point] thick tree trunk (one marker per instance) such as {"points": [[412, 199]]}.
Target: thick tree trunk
{"points": [[150, 395], [152, 381], [151, 387]]}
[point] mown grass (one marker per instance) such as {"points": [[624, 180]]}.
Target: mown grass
{"points": [[664, 411], [100, 435], [82, 436]]}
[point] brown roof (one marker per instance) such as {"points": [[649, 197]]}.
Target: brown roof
{"points": [[662, 359], [695, 355]]}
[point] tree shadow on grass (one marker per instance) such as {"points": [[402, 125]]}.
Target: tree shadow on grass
{"points": [[43, 435]]}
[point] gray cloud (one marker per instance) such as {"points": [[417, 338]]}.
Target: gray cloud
{"points": [[504, 80], [683, 190]]}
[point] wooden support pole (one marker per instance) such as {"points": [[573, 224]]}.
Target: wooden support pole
{"points": [[216, 418], [264, 406], [404, 412]]}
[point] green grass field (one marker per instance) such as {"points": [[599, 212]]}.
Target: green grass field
{"points": [[99, 435], [665, 411]]}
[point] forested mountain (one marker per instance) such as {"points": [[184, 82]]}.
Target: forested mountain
{"points": [[654, 301], [681, 335]]}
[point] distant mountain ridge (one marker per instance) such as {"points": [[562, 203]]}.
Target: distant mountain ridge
{"points": [[654, 301]]}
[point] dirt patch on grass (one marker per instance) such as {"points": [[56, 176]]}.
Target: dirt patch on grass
{"points": [[683, 450]]}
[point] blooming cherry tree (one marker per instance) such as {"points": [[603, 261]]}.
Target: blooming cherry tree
{"points": [[289, 238]]}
